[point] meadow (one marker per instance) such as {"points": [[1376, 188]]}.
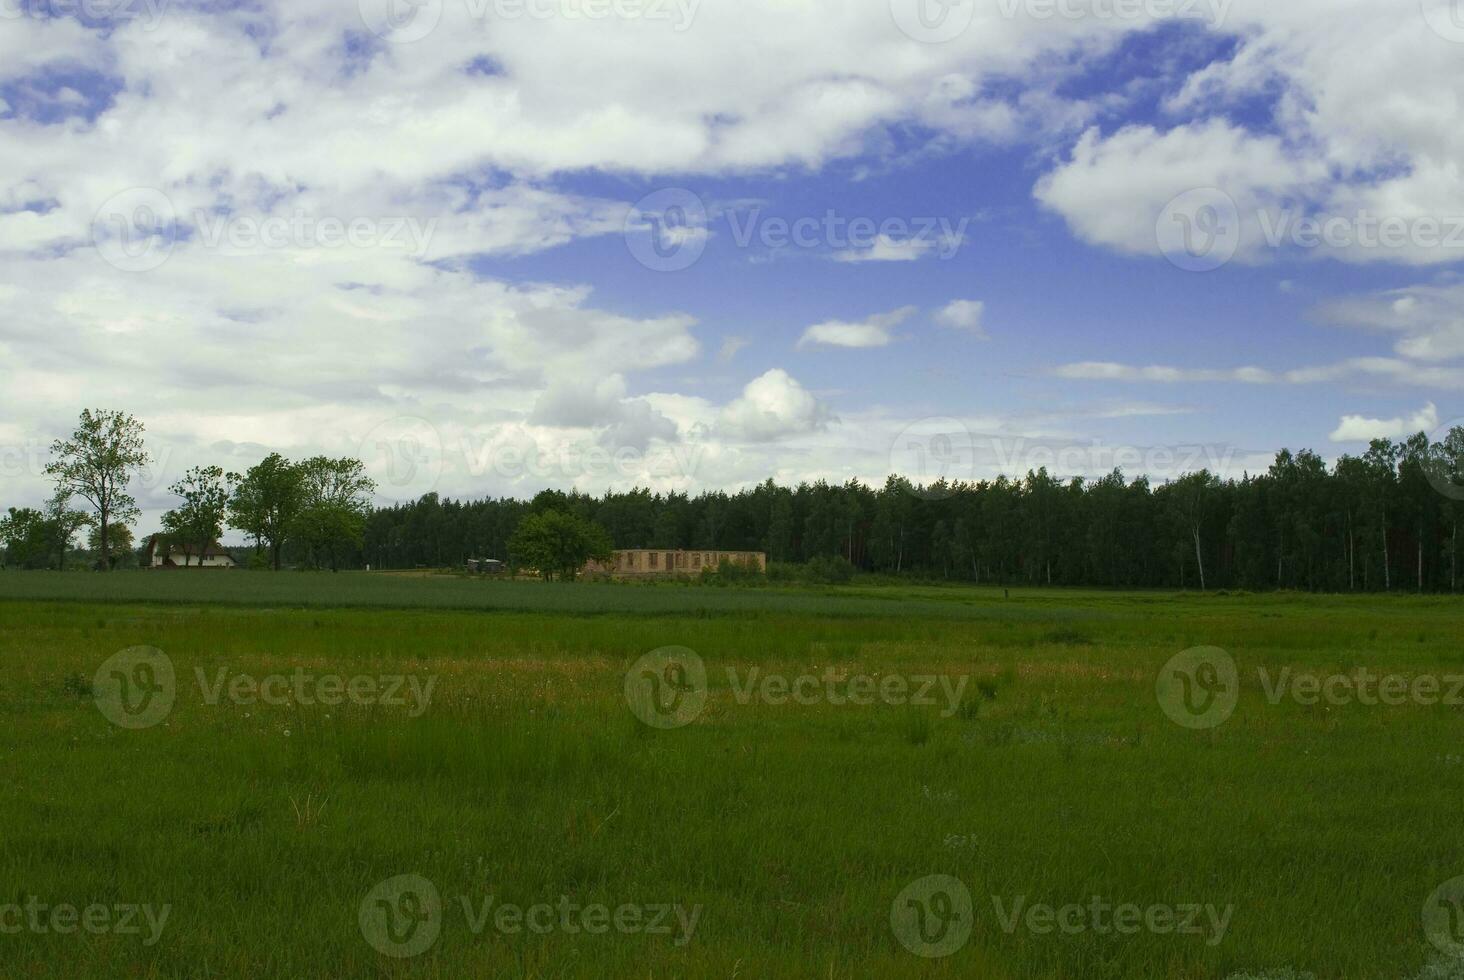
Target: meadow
{"points": [[772, 834]]}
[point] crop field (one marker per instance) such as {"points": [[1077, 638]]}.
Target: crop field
{"points": [[307, 776]]}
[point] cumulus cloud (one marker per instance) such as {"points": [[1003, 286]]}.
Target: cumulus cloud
{"points": [[1364, 129], [771, 407], [229, 347], [1427, 321], [963, 314], [1359, 428], [873, 332]]}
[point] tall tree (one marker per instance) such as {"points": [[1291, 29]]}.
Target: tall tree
{"points": [[97, 464], [122, 541], [335, 499], [1191, 495], [1380, 468], [27, 538], [62, 523], [556, 543], [199, 519], [267, 501]]}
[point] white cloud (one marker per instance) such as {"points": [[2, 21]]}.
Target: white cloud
{"points": [[771, 407], [1428, 321], [1114, 189], [1359, 428], [1392, 370], [887, 249], [963, 314], [1365, 124], [873, 332], [309, 349]]}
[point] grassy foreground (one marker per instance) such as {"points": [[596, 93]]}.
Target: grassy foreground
{"points": [[782, 833]]}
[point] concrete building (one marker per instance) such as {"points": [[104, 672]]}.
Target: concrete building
{"points": [[659, 562]]}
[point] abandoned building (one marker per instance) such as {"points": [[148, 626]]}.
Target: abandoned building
{"points": [[645, 562]]}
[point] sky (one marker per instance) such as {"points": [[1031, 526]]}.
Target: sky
{"points": [[492, 246]]}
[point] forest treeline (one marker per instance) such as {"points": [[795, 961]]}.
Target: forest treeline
{"points": [[1386, 520]]}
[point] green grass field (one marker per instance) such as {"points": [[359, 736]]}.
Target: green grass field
{"points": [[760, 839]]}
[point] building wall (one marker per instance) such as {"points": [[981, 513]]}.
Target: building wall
{"points": [[670, 563], [213, 561]]}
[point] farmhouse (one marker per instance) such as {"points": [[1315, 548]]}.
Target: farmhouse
{"points": [[646, 563], [163, 553]]}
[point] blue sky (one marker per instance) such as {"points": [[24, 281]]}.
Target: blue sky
{"points": [[171, 234]]}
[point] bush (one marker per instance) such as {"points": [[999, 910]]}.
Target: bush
{"points": [[729, 572], [826, 570]]}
